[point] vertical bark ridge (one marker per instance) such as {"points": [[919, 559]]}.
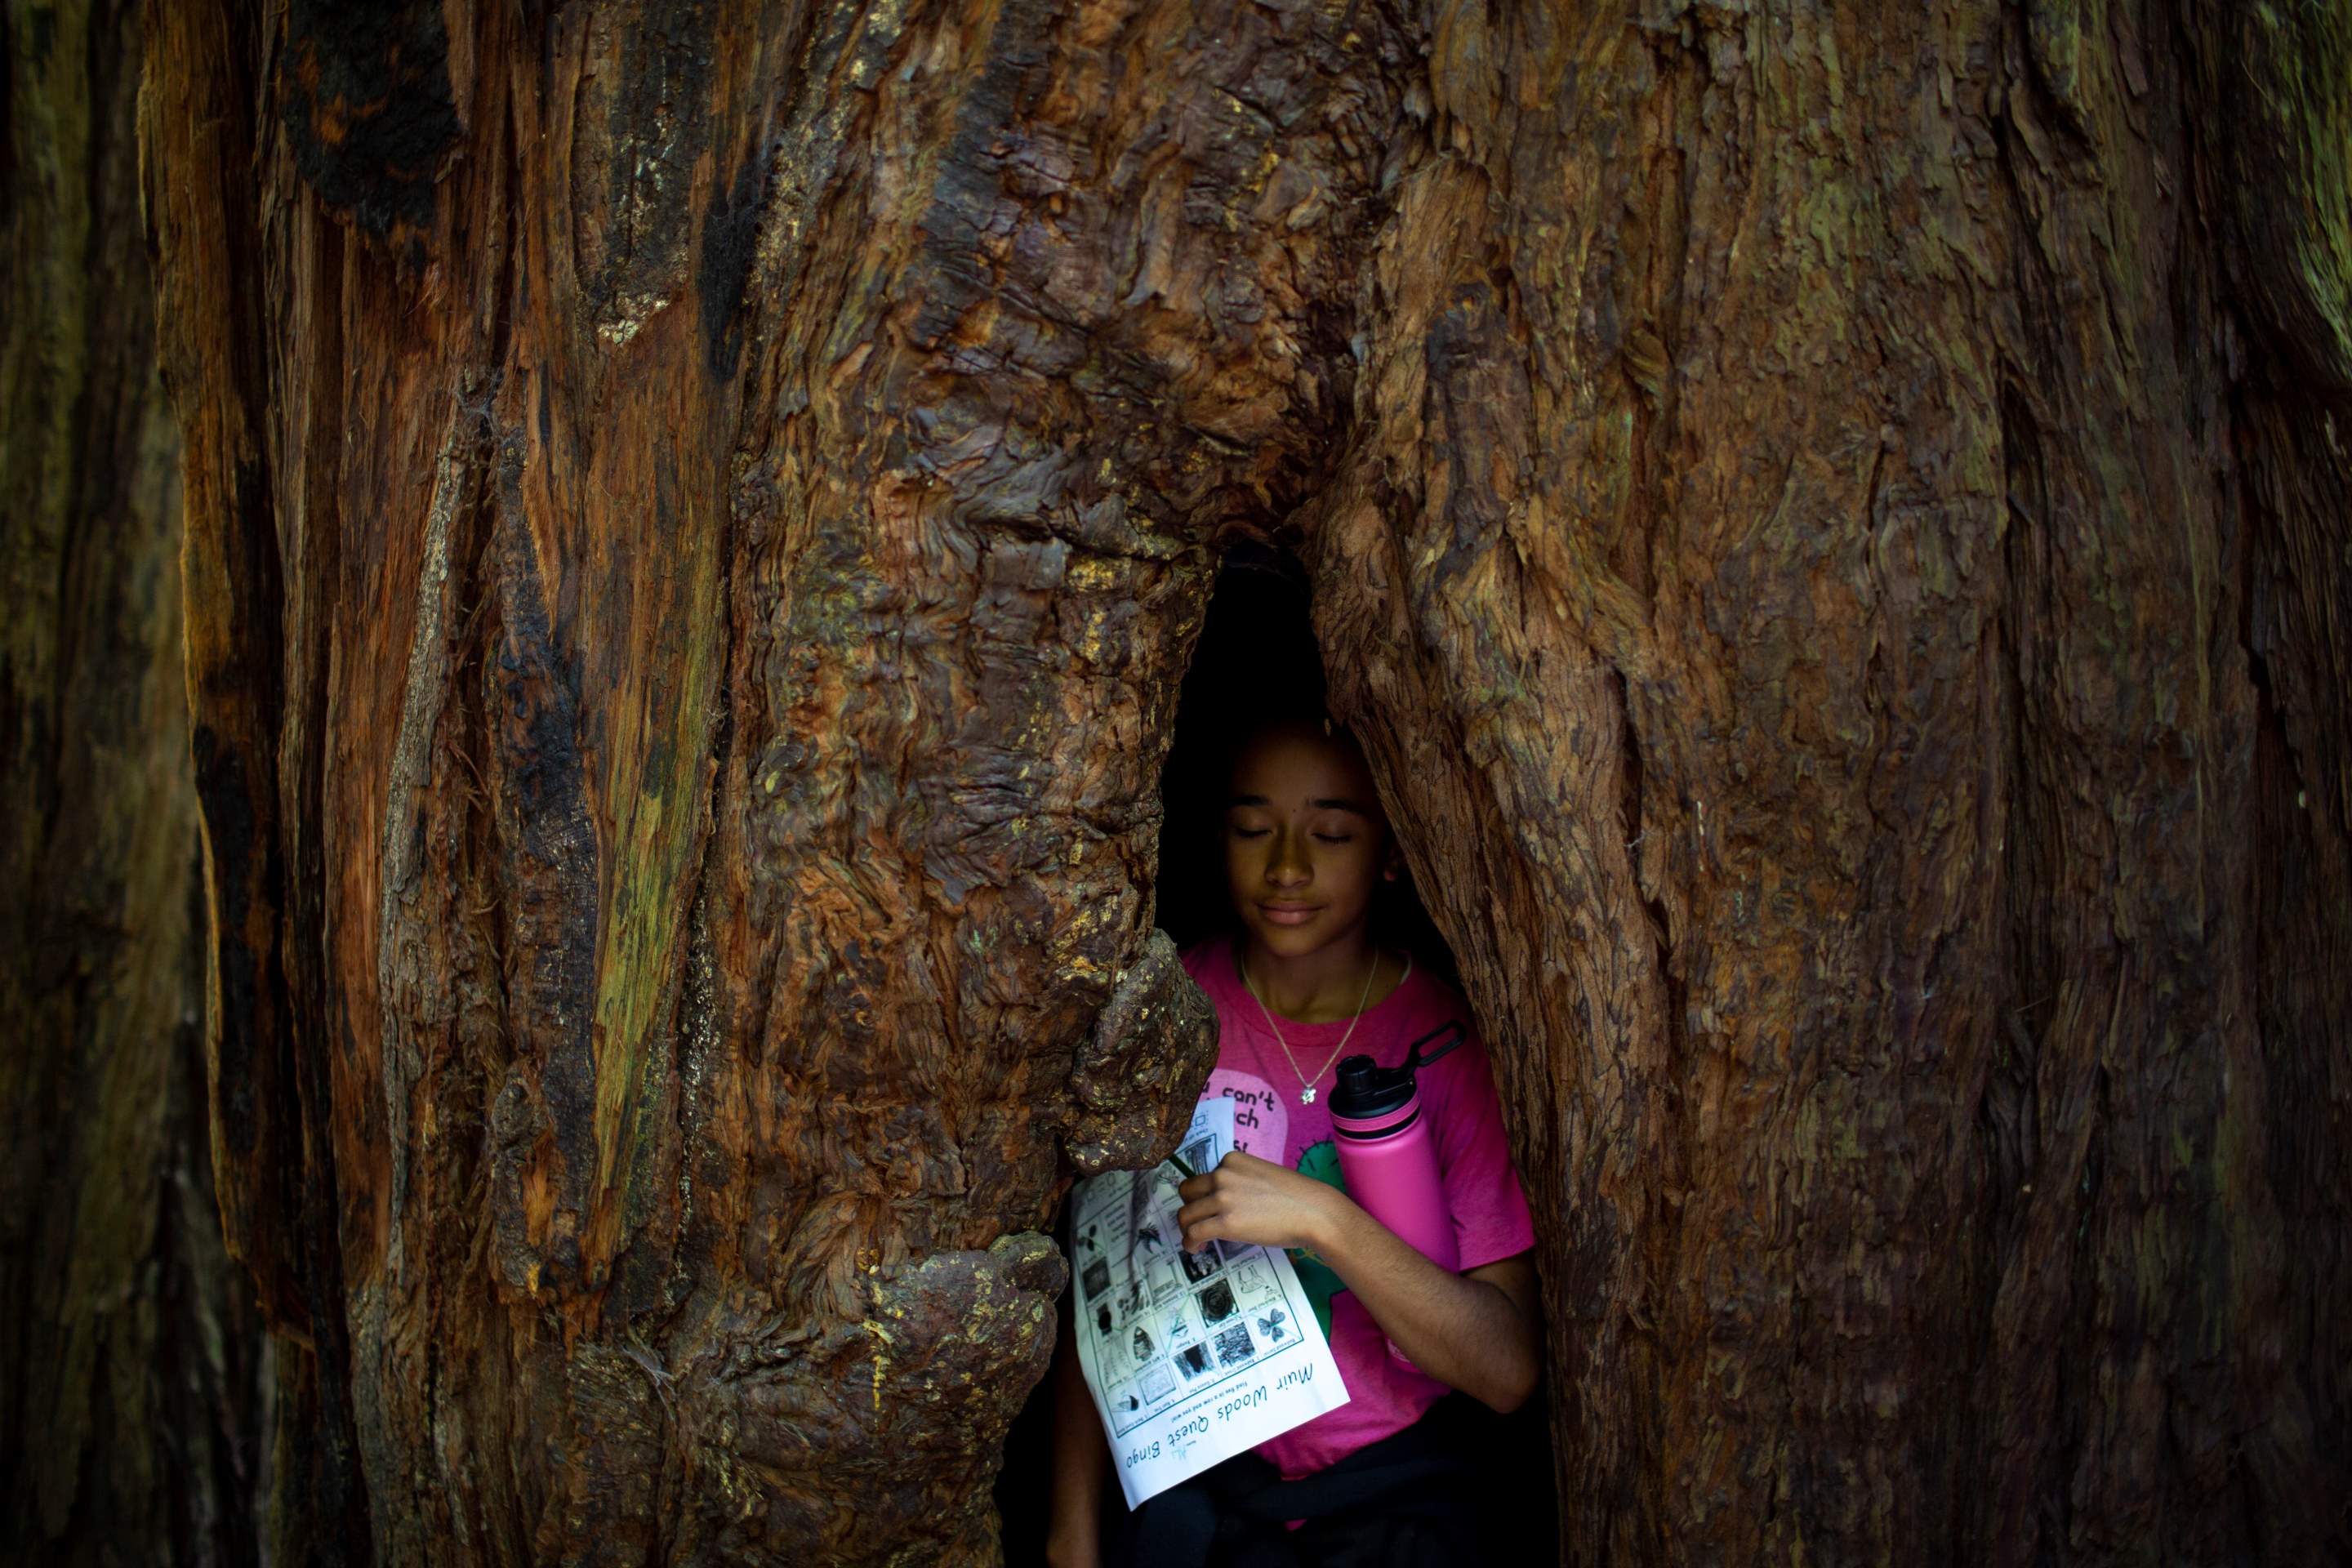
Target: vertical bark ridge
{"points": [[1405, 636], [2176, 1409], [130, 1415], [210, 341], [2276, 89], [1802, 618]]}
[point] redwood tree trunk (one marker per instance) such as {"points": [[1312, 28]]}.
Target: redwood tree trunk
{"points": [[128, 1375], [1829, 522], [1844, 558]]}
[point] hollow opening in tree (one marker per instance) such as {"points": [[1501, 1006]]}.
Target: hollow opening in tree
{"points": [[1256, 662]]}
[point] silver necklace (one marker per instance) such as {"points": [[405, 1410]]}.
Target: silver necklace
{"points": [[1307, 1085]]}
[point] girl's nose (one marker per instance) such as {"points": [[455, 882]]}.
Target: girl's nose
{"points": [[1286, 867]]}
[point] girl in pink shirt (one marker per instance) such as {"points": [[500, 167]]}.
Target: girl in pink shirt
{"points": [[1301, 985]]}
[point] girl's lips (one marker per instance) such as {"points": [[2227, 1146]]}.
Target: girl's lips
{"points": [[1287, 914]]}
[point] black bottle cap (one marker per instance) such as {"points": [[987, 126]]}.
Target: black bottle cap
{"points": [[1365, 1090]]}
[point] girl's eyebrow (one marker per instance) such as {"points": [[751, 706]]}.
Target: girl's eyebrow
{"points": [[1317, 804]]}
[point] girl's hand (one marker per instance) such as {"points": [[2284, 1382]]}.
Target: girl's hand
{"points": [[1257, 1203]]}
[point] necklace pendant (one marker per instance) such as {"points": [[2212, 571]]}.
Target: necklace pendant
{"points": [[1307, 1095]]}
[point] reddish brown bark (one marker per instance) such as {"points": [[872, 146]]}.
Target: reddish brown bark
{"points": [[1819, 564], [1827, 520]]}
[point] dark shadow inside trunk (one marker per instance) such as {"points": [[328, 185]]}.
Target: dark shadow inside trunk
{"points": [[1256, 662]]}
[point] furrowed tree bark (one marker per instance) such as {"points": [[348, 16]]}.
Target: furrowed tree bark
{"points": [[666, 486], [1829, 522], [1843, 561], [129, 1377]]}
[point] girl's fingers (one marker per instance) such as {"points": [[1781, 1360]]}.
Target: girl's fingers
{"points": [[1207, 1228], [1242, 1199], [1235, 1163], [1191, 1214]]}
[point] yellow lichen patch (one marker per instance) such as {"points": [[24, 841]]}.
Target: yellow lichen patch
{"points": [[881, 1357]]}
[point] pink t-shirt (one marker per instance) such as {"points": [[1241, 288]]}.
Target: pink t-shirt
{"points": [[1457, 1094]]}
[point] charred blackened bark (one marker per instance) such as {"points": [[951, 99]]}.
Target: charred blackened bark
{"points": [[1829, 522], [129, 1415]]}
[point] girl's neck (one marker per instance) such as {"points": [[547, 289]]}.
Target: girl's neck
{"points": [[1323, 987]]}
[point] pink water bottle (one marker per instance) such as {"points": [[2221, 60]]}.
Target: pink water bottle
{"points": [[1386, 1154]]}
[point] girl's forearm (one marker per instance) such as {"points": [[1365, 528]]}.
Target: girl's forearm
{"points": [[1466, 1331], [1081, 1458]]}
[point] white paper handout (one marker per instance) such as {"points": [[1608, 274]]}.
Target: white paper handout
{"points": [[1191, 1358]]}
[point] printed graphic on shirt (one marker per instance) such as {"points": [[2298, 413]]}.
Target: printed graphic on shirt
{"points": [[1260, 1119]]}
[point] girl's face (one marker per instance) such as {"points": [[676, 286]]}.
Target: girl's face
{"points": [[1306, 844]]}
